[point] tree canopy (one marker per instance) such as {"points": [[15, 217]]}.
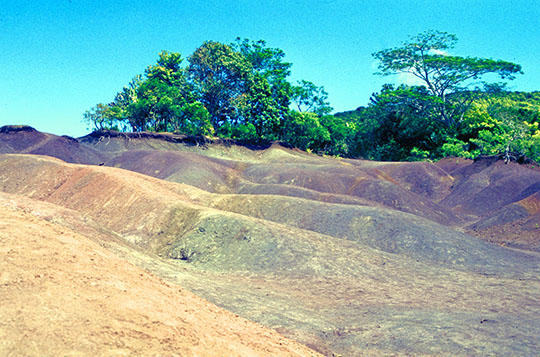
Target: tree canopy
{"points": [[425, 57], [242, 91]]}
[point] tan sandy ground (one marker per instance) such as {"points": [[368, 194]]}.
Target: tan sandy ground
{"points": [[62, 294]]}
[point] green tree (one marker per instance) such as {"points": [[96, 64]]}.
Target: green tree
{"points": [[310, 98], [100, 117], [269, 92], [399, 124], [425, 57], [122, 100], [304, 131], [161, 97], [259, 108], [498, 122], [220, 76], [194, 120], [341, 134], [508, 128], [265, 61], [238, 90], [155, 101]]}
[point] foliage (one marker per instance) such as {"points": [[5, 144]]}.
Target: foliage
{"points": [[455, 147], [310, 98], [399, 124], [241, 90], [100, 117], [304, 131], [499, 123], [397, 121], [260, 110], [195, 120], [513, 128], [342, 134], [220, 76], [425, 57], [269, 72]]}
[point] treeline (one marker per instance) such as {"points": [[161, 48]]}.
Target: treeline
{"points": [[239, 90], [401, 124], [242, 91]]}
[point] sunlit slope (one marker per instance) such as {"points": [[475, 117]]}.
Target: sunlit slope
{"points": [[347, 256], [453, 192], [501, 199], [63, 294], [342, 278], [277, 170], [27, 140], [259, 232]]}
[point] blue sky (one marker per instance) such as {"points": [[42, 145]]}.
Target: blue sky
{"points": [[59, 58]]}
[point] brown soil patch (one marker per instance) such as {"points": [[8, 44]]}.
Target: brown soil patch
{"points": [[531, 203]]}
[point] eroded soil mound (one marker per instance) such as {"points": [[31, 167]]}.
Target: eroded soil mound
{"points": [[26, 140], [63, 294], [233, 231], [346, 256], [327, 275], [453, 192], [500, 200]]}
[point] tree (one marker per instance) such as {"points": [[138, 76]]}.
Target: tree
{"points": [[220, 76], [121, 102], [510, 128], [399, 123], [304, 131], [194, 119], [498, 123], [100, 117], [259, 108], [311, 98], [168, 70], [161, 97], [155, 101], [425, 57], [238, 90], [341, 133], [269, 92], [265, 61]]}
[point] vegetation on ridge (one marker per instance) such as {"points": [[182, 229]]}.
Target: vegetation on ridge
{"points": [[241, 90]]}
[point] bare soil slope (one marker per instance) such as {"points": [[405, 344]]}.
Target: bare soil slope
{"points": [[231, 231], [453, 192], [346, 256], [316, 272], [63, 294]]}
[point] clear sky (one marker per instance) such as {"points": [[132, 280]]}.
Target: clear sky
{"points": [[58, 58]]}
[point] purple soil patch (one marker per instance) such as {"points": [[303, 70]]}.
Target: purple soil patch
{"points": [[196, 170], [483, 188], [422, 178]]}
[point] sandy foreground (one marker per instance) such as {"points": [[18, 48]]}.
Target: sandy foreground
{"points": [[63, 294]]}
